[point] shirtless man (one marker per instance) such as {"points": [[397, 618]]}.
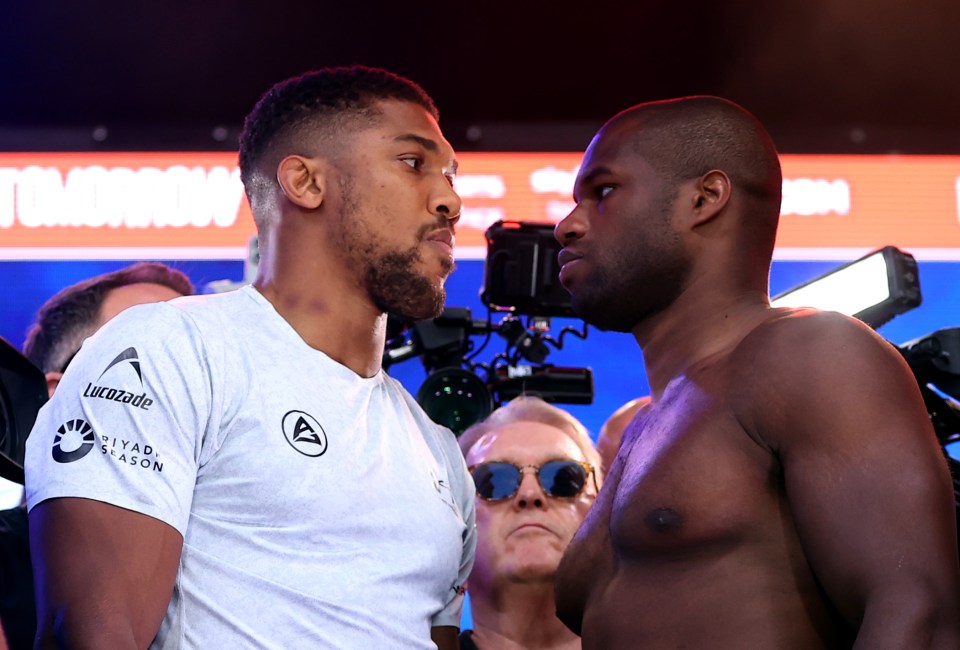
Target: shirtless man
{"points": [[784, 488]]}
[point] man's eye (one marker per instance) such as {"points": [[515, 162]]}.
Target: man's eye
{"points": [[414, 161], [603, 191]]}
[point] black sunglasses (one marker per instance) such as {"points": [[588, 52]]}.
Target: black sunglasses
{"points": [[499, 480]]}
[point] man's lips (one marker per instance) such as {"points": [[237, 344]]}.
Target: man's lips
{"points": [[442, 236], [565, 256], [567, 260], [530, 526]]}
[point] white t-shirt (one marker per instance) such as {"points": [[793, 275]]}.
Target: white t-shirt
{"points": [[319, 509]]}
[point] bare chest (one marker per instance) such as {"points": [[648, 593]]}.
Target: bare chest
{"points": [[691, 479]]}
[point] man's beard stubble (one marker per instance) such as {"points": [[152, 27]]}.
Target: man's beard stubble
{"points": [[389, 277], [644, 278], [397, 289]]}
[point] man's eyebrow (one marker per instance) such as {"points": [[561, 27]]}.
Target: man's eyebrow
{"points": [[428, 144], [588, 178]]}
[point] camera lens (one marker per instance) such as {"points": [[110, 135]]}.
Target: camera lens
{"points": [[455, 398]]}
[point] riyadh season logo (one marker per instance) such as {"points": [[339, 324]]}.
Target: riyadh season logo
{"points": [[304, 433], [73, 440]]}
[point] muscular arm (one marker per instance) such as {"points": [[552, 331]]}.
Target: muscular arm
{"points": [[865, 479], [103, 574]]}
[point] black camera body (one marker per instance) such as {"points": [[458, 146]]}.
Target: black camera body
{"points": [[23, 390], [521, 279], [521, 274]]}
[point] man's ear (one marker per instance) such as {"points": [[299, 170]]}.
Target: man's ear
{"points": [[710, 196], [301, 180], [53, 380]]}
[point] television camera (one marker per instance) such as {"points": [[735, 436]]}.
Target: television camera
{"points": [[520, 281]]}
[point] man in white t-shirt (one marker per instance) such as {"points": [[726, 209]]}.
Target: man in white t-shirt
{"points": [[236, 470]]}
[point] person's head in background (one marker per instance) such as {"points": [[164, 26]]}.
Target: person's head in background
{"points": [[611, 433], [523, 527], [76, 312]]}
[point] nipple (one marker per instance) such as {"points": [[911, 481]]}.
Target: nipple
{"points": [[663, 520]]}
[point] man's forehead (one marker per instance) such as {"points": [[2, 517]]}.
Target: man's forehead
{"points": [[612, 151], [616, 138], [397, 121], [524, 441], [401, 117]]}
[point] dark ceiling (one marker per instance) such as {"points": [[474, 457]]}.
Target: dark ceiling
{"points": [[824, 75]]}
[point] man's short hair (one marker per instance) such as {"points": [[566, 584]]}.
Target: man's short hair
{"points": [[73, 314], [529, 408], [318, 103]]}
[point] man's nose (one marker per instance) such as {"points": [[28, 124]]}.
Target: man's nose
{"points": [[569, 228], [529, 493], [446, 203]]}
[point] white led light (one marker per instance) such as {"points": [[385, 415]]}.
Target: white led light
{"points": [[849, 290]]}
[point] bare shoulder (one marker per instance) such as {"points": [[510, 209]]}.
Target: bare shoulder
{"points": [[824, 369], [864, 475], [798, 333], [809, 348]]}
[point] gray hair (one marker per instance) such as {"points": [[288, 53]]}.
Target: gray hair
{"points": [[528, 408]]}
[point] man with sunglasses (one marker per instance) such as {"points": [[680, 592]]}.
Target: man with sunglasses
{"points": [[784, 487], [536, 474]]}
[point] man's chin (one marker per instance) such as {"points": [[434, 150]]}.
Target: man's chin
{"points": [[440, 275], [409, 293], [589, 311], [597, 311], [423, 309], [541, 572]]}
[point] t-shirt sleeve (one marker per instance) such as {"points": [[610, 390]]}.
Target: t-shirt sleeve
{"points": [[128, 420], [466, 500]]}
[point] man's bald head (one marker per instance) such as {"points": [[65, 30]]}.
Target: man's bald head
{"points": [[685, 138], [611, 433]]}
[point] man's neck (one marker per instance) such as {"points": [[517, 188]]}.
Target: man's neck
{"points": [[303, 275], [696, 327], [345, 327], [520, 616]]}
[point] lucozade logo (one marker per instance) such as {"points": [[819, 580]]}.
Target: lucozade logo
{"points": [[117, 394]]}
